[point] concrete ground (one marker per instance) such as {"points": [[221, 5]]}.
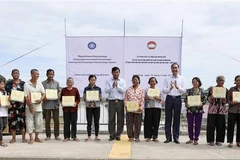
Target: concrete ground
{"points": [[58, 150]]}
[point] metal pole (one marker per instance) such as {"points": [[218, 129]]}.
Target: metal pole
{"points": [[65, 27], [182, 29]]}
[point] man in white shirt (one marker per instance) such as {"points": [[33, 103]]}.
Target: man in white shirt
{"points": [[115, 87], [34, 118], [174, 88]]}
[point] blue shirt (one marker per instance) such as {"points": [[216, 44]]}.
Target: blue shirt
{"points": [[152, 103], [115, 92]]}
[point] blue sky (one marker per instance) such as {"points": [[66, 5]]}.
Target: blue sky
{"points": [[210, 28]]}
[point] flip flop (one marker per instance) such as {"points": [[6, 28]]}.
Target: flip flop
{"points": [[31, 142], [148, 140], [12, 141], [97, 139], [24, 141], [155, 140], [38, 140], [76, 139], [66, 139], [88, 139], [3, 144], [47, 139], [57, 138]]}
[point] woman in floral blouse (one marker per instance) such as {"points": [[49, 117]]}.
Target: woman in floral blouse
{"points": [[16, 114], [216, 116], [134, 119], [195, 113]]}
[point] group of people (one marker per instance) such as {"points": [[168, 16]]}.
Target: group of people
{"points": [[27, 116]]}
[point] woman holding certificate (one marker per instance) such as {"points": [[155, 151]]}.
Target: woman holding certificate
{"points": [[217, 98], [234, 113], [134, 102], [16, 118], [153, 99], [70, 99], [3, 114], [194, 102], [92, 95]]}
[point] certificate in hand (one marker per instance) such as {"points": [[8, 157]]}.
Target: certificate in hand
{"points": [[34, 96], [132, 106], [51, 94], [17, 96], [4, 101], [236, 96], [194, 100], [68, 101], [153, 92], [219, 92], [92, 95]]}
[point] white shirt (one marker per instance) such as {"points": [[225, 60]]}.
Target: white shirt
{"points": [[115, 92], [152, 103], [174, 92], [3, 110], [29, 88]]}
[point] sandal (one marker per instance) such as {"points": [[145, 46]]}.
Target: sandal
{"points": [[155, 140], [218, 143], [230, 145], [66, 139], [88, 139], [189, 142], [130, 140], [31, 142], [3, 144], [76, 139], [38, 140], [137, 140], [195, 143], [97, 139], [12, 141], [57, 138], [24, 141], [47, 139], [148, 140], [238, 144]]}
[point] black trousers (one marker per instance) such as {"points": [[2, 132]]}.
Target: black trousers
{"points": [[151, 122], [173, 106], [113, 108], [95, 113], [70, 119], [216, 122], [233, 118]]}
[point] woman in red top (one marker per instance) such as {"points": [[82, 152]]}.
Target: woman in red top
{"points": [[70, 112]]}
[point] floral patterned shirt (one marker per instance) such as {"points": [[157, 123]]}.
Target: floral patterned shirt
{"points": [[135, 95], [195, 109], [217, 106]]}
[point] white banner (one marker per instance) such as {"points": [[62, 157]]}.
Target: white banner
{"points": [[151, 57], [93, 55], [144, 56]]}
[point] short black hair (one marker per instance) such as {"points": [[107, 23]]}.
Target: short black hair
{"points": [[115, 69], [2, 80], [50, 70], [151, 79], [15, 70], [91, 76], [174, 64], [136, 76], [198, 80], [236, 77], [33, 70]]}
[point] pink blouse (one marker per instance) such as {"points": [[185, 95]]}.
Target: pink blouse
{"points": [[135, 95]]}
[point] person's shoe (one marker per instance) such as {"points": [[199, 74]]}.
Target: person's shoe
{"points": [[111, 139], [211, 144], [189, 142], [195, 143], [230, 145], [118, 138], [176, 141], [218, 143], [168, 141]]}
